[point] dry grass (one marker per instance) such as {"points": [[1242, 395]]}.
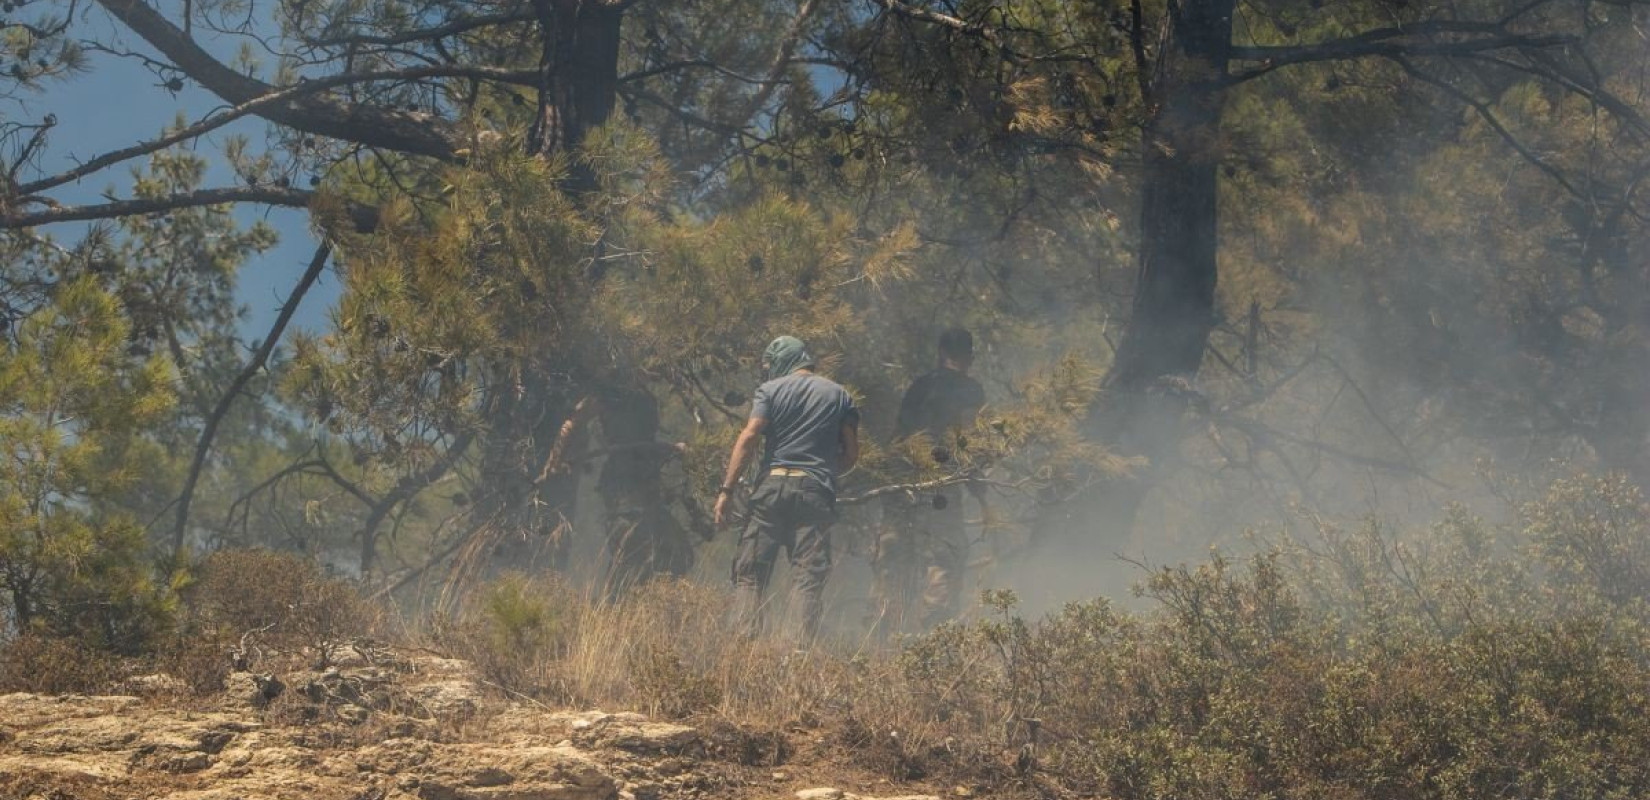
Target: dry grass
{"points": [[668, 652], [1358, 668], [1495, 662]]}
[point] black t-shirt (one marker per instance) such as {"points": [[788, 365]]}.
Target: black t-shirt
{"points": [[630, 423], [937, 401]]}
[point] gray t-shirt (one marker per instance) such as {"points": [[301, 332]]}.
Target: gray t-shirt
{"points": [[805, 414]]}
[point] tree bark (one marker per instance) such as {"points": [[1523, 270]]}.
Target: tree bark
{"points": [[1150, 384], [579, 76], [579, 72], [1174, 298]]}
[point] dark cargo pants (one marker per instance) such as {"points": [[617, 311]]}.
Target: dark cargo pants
{"points": [[919, 562], [793, 512], [643, 541]]}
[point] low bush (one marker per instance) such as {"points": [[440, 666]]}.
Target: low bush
{"points": [[1471, 661], [45, 664], [262, 602], [1464, 661]]}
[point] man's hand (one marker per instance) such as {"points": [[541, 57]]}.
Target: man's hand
{"points": [[722, 508], [743, 450]]}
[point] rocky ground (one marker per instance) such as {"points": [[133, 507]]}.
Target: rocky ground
{"points": [[396, 727]]}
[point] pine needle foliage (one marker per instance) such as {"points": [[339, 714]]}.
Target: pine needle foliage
{"points": [[74, 409]]}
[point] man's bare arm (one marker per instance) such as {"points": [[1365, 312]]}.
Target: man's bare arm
{"points": [[850, 444], [743, 450]]}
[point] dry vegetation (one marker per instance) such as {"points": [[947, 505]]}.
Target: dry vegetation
{"points": [[1496, 661]]}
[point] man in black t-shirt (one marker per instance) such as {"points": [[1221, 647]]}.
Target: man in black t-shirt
{"points": [[644, 539], [922, 548]]}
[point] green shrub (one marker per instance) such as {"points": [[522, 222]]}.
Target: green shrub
{"points": [[518, 618], [1468, 661], [514, 634]]}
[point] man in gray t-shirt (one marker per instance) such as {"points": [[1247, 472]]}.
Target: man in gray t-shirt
{"points": [[811, 429]]}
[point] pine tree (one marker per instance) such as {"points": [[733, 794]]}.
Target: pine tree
{"points": [[76, 409]]}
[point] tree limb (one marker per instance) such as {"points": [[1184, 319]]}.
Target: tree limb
{"points": [[462, 25], [405, 488], [268, 100], [556, 460], [1486, 114], [781, 57], [317, 466], [1265, 433], [1387, 42], [1584, 87], [695, 63], [364, 217], [253, 366], [402, 131], [936, 18]]}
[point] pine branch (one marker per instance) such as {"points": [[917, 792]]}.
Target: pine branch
{"points": [[271, 99], [364, 217], [453, 28], [402, 131], [1391, 43]]}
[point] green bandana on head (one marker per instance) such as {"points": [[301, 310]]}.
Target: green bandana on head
{"points": [[786, 355]]}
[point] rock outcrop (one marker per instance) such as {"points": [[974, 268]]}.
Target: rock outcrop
{"points": [[417, 729]]}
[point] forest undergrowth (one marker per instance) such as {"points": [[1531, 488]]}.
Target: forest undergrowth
{"points": [[1468, 659]]}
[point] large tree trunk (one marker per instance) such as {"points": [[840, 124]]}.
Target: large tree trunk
{"points": [[579, 72], [1181, 153], [1149, 386], [579, 64], [1621, 433]]}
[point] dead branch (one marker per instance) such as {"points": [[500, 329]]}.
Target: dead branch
{"points": [[405, 488], [943, 20], [1262, 431], [556, 460], [923, 486], [318, 466]]}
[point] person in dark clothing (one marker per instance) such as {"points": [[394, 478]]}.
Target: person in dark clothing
{"points": [[644, 539], [922, 547], [811, 428]]}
